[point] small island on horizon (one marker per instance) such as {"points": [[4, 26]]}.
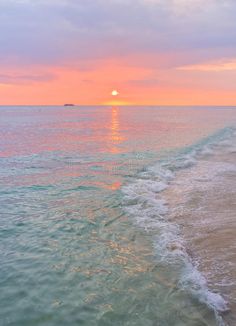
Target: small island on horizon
{"points": [[69, 104]]}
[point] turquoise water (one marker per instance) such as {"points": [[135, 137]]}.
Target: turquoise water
{"points": [[71, 250]]}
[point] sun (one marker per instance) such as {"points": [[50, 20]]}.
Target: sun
{"points": [[114, 93]]}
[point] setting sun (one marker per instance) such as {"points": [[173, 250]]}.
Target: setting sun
{"points": [[114, 93]]}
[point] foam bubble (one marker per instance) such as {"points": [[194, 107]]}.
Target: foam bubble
{"points": [[185, 162], [206, 151]]}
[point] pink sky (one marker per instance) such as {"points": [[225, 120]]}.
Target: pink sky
{"points": [[154, 52]]}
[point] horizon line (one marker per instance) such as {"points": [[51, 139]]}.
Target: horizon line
{"points": [[122, 105]]}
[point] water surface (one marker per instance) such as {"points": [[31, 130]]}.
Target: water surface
{"points": [[72, 249]]}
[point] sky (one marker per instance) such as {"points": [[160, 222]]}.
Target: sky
{"points": [[153, 52]]}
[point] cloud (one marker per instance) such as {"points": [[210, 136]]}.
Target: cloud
{"points": [[15, 79], [216, 66], [58, 31], [152, 82]]}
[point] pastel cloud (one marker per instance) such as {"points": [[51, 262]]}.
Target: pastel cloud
{"points": [[15, 79], [217, 66]]}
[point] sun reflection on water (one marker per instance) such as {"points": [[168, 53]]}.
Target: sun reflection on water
{"points": [[115, 137]]}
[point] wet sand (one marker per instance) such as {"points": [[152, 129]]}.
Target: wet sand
{"points": [[202, 200]]}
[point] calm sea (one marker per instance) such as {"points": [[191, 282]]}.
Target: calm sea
{"points": [[86, 235]]}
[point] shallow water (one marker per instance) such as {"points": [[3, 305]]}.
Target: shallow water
{"points": [[73, 247]]}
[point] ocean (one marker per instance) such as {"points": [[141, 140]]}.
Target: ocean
{"points": [[117, 216]]}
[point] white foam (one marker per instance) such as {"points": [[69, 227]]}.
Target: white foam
{"points": [[225, 143], [195, 283], [186, 162], [161, 172], [206, 151]]}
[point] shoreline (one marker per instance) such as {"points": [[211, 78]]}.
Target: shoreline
{"points": [[201, 200], [155, 200]]}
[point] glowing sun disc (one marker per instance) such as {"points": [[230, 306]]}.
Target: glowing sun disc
{"points": [[114, 93]]}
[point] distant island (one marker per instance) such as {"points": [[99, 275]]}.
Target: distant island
{"points": [[69, 104]]}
